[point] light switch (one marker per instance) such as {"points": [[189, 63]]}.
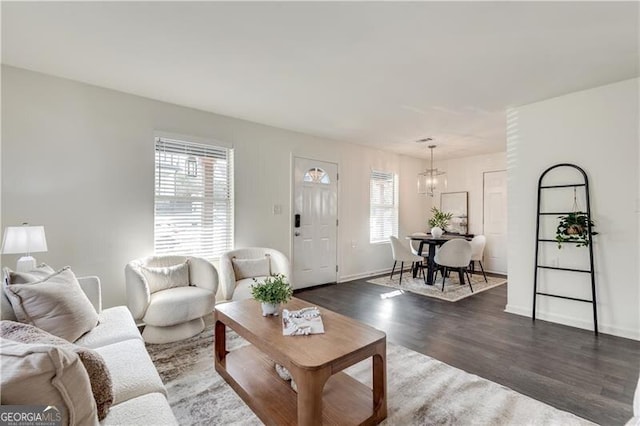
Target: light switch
{"points": [[277, 209]]}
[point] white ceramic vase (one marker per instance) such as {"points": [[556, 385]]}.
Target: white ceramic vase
{"points": [[436, 232], [270, 309]]}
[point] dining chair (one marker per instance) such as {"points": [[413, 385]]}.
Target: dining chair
{"points": [[477, 244], [401, 254], [415, 244], [455, 254]]}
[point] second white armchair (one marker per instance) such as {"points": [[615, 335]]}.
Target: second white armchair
{"points": [[239, 267]]}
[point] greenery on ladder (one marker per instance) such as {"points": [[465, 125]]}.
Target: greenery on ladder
{"points": [[573, 228]]}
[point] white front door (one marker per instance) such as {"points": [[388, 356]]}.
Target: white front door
{"points": [[314, 222], [495, 221]]}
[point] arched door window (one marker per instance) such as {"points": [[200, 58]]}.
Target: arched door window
{"points": [[317, 175]]}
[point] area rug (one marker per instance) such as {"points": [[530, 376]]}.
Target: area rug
{"points": [[421, 390], [453, 291]]}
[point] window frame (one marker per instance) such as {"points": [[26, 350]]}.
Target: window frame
{"points": [[378, 175], [217, 165]]}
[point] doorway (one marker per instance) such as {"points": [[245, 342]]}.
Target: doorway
{"points": [[314, 222], [495, 221]]}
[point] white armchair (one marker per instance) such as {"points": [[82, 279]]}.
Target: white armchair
{"points": [[170, 295], [239, 267]]}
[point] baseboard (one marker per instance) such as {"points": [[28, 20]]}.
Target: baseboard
{"points": [[345, 278], [627, 333], [517, 310]]}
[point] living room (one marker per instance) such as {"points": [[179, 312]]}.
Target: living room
{"points": [[87, 88]]}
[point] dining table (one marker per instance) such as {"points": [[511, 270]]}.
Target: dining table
{"points": [[432, 242]]}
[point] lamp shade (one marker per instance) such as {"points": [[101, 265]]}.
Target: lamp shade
{"points": [[24, 239]]}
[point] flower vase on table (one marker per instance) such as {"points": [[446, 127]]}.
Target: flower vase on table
{"points": [[439, 221], [271, 293], [436, 232], [270, 309]]}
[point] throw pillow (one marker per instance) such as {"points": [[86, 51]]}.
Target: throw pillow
{"points": [[6, 310], [249, 268], [40, 272], [162, 278], [46, 375], [99, 377], [55, 304]]}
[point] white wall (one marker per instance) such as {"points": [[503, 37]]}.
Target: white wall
{"points": [[467, 174], [79, 160], [1, 70], [596, 129]]}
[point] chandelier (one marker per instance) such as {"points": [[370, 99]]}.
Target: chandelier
{"points": [[428, 180]]}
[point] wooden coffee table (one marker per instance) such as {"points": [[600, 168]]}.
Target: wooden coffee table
{"points": [[325, 394]]}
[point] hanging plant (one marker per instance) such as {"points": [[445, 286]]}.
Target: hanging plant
{"points": [[574, 228]]}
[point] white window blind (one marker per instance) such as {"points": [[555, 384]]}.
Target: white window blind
{"points": [[383, 219], [193, 199]]}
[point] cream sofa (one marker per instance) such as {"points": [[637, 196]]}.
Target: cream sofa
{"points": [[139, 395]]}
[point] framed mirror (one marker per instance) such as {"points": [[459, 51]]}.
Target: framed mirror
{"points": [[457, 204]]}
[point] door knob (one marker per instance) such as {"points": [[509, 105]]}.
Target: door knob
{"points": [[297, 233]]}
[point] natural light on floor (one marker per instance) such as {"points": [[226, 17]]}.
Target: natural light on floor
{"points": [[391, 294]]}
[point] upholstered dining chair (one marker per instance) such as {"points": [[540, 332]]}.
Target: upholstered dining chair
{"points": [[401, 254], [415, 244], [455, 254], [477, 244], [239, 267], [170, 295]]}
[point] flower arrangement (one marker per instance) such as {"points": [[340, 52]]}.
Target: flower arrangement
{"points": [[439, 219]]}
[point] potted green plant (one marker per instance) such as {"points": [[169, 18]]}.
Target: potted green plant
{"points": [[574, 228], [439, 221], [271, 293]]}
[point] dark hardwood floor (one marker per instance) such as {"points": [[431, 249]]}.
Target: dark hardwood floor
{"points": [[565, 367]]}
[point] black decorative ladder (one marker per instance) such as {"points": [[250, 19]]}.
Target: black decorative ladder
{"points": [[539, 240]]}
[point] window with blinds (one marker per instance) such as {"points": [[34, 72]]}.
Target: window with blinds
{"points": [[383, 201], [193, 199]]}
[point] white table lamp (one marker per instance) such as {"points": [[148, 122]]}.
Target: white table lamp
{"points": [[24, 239]]}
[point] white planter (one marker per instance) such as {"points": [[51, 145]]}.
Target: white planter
{"points": [[270, 309], [436, 232]]}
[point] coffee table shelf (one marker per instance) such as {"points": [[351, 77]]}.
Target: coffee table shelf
{"points": [[326, 395], [252, 375]]}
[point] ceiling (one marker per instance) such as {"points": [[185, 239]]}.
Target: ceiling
{"points": [[382, 74]]}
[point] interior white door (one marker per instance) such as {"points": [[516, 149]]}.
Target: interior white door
{"points": [[315, 222], [495, 221]]}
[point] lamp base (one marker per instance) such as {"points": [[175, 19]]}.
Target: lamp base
{"points": [[26, 264]]}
